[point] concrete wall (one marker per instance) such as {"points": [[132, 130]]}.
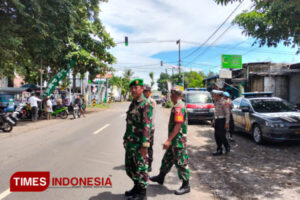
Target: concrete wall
{"points": [[282, 87], [294, 87], [257, 84]]}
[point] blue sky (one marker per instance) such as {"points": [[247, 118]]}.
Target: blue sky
{"points": [[192, 21]]}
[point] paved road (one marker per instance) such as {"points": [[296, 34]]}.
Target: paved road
{"points": [[72, 149]]}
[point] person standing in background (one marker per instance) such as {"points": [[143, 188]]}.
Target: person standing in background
{"points": [[147, 94], [231, 124], [33, 101], [48, 108]]}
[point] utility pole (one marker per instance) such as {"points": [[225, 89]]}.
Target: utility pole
{"points": [[41, 70], [179, 61]]}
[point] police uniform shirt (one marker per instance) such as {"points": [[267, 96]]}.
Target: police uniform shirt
{"points": [[222, 110]]}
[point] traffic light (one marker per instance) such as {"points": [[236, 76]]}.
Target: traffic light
{"points": [[126, 41]]}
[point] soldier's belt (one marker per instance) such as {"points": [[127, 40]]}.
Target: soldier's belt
{"points": [[219, 117]]}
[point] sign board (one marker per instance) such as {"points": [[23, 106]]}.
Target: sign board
{"points": [[232, 62], [220, 83], [225, 73]]}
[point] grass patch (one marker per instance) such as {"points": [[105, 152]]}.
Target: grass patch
{"points": [[104, 105]]}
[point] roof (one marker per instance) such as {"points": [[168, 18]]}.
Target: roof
{"points": [[211, 77]]}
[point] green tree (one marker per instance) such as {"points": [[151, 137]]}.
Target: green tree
{"points": [[271, 22], [162, 83], [151, 75], [195, 80], [52, 32]]}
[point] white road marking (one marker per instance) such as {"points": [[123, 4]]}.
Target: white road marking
{"points": [[101, 129], [4, 194]]}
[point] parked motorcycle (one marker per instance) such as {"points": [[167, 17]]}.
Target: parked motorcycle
{"points": [[6, 124], [76, 111], [59, 111]]}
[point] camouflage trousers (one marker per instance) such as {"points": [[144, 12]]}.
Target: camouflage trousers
{"points": [[179, 157], [150, 149], [136, 167]]}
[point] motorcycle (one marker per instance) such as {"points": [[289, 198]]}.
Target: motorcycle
{"points": [[59, 111], [76, 111], [6, 124]]}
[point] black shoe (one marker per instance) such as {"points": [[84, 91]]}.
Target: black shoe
{"points": [[149, 169], [132, 191], [218, 152], [185, 188], [140, 195], [227, 150], [159, 179]]}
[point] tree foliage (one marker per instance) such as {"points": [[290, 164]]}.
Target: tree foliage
{"points": [[271, 22], [192, 79], [35, 32], [151, 75]]}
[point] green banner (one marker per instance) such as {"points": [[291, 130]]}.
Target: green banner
{"points": [[57, 78], [232, 62]]}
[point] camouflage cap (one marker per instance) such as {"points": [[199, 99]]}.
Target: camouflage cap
{"points": [[176, 90], [147, 88], [136, 81]]}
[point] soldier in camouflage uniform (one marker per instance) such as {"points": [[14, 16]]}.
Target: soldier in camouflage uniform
{"points": [[176, 145], [137, 140], [147, 94]]}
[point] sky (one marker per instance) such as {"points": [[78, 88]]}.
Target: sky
{"points": [[154, 26]]}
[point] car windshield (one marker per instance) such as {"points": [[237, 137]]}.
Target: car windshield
{"points": [[155, 97], [271, 105], [199, 98]]}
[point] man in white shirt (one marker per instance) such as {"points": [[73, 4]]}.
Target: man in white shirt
{"points": [[34, 106], [147, 94]]}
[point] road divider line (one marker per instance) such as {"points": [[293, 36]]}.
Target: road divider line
{"points": [[101, 129], [4, 194]]}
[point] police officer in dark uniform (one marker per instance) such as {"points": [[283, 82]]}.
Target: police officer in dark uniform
{"points": [[221, 122]]}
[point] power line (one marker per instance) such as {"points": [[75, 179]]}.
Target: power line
{"points": [[204, 43]]}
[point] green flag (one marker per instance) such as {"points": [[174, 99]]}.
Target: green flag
{"points": [[57, 78]]}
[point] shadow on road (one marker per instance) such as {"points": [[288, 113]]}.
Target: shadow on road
{"points": [[107, 196], [250, 171], [121, 167]]}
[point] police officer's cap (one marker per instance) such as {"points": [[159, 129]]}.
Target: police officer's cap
{"points": [[136, 82], [147, 88], [176, 91], [217, 92]]}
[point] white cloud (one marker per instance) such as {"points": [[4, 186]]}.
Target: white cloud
{"points": [[151, 20]]}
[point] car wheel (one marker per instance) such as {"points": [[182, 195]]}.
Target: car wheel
{"points": [[257, 134]]}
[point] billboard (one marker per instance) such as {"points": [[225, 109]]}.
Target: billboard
{"points": [[232, 62]]}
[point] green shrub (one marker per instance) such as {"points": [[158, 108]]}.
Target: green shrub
{"points": [[168, 104]]}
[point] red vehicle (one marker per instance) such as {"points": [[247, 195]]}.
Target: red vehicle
{"points": [[199, 104]]}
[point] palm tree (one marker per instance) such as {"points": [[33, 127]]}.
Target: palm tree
{"points": [[128, 74], [151, 74]]}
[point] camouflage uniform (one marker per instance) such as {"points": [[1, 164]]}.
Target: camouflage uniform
{"points": [[177, 152], [137, 135]]}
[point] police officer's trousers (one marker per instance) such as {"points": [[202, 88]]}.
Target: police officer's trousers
{"points": [[220, 134]]}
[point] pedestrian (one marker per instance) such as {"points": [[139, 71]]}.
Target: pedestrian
{"points": [[176, 145], [231, 124], [54, 103], [221, 122], [83, 103], [78, 101], [33, 101], [48, 108], [147, 94], [137, 140]]}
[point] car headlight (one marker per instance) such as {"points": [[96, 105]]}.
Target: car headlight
{"points": [[274, 124], [212, 110]]}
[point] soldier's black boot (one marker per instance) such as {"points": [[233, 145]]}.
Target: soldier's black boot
{"points": [[185, 188], [160, 178], [132, 191], [218, 152], [227, 150], [139, 195]]}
